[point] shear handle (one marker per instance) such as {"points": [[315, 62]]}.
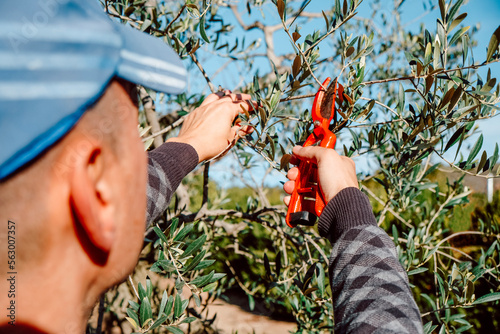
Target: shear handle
{"points": [[307, 202]]}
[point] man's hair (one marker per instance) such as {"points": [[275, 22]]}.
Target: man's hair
{"points": [[102, 123]]}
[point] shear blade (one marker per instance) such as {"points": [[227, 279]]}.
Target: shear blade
{"points": [[326, 109]]}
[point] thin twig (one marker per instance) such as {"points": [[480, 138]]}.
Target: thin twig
{"points": [[320, 250], [299, 97], [451, 164], [189, 285], [426, 167], [262, 154], [240, 283], [413, 77], [202, 70], [167, 28], [311, 261], [303, 56], [443, 309], [395, 214], [285, 255], [454, 249], [133, 287], [461, 233], [435, 277], [100, 317], [167, 129], [255, 216], [206, 180], [268, 35], [353, 13], [438, 211], [371, 125]]}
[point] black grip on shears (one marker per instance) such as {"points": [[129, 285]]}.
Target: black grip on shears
{"points": [[303, 218]]}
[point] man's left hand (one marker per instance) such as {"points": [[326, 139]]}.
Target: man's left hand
{"points": [[211, 127]]}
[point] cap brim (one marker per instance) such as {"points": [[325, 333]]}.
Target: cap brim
{"points": [[147, 61]]}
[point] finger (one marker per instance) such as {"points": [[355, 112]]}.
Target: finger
{"points": [[238, 109], [286, 200], [241, 131], [239, 97], [234, 109], [246, 130], [234, 133], [212, 98], [289, 186], [250, 107], [292, 173], [242, 96], [216, 96], [246, 105]]}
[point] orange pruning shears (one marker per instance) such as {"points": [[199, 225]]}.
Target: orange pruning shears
{"points": [[307, 202]]}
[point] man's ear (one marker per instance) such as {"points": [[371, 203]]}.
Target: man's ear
{"points": [[90, 198]]}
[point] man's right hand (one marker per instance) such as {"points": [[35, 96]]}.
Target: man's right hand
{"points": [[335, 172]]}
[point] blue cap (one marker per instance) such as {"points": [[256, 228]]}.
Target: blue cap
{"points": [[56, 59]]}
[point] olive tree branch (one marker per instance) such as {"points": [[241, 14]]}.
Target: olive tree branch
{"points": [[298, 97], [151, 115], [445, 308], [173, 260], [454, 235], [167, 28], [320, 249], [443, 71], [255, 216], [451, 164]]}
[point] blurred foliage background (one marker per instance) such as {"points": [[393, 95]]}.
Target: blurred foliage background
{"points": [[410, 115]]}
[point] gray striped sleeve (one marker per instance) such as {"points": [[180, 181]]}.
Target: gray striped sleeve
{"points": [[167, 166], [370, 288]]}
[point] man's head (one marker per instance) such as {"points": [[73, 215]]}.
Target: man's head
{"points": [[87, 193], [73, 169]]}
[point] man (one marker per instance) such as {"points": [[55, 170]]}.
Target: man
{"points": [[73, 169], [74, 177]]}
